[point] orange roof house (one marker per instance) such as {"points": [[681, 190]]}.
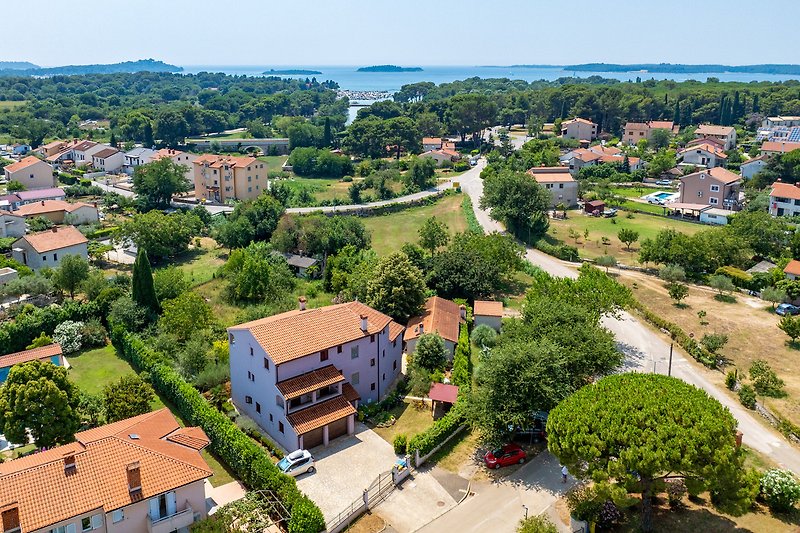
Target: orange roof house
{"points": [[440, 316]]}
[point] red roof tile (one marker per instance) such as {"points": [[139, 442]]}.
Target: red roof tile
{"points": [[310, 381], [320, 414], [440, 316], [54, 239], [486, 308], [442, 392], [45, 352]]}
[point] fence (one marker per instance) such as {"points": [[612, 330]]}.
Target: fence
{"points": [[381, 487]]}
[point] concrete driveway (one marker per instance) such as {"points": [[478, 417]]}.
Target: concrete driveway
{"points": [[345, 469]]}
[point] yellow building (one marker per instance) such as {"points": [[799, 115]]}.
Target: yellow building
{"points": [[219, 178]]}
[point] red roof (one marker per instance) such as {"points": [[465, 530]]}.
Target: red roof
{"points": [[45, 352], [793, 268], [442, 392]]}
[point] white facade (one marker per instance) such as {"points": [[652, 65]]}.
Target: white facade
{"points": [[110, 163], [752, 167], [783, 207], [715, 216], [702, 157], [24, 253], [11, 225]]}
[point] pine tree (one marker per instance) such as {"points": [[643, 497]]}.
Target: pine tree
{"points": [[143, 290], [327, 138], [148, 135], [113, 140], [626, 165]]}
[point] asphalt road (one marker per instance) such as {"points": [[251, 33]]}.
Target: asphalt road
{"points": [[648, 351]]}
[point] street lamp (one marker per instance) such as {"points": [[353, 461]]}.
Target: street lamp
{"points": [[526, 511]]}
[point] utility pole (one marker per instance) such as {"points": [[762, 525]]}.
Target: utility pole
{"points": [[669, 370]]}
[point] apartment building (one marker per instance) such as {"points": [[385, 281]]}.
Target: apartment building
{"points": [[717, 187], [724, 134], [579, 129], [219, 178], [559, 183]]}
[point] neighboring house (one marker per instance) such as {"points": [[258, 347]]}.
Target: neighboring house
{"points": [[762, 266], [636, 131], [595, 155], [37, 195], [9, 202], [579, 129], [299, 264], [219, 178], [108, 160], [705, 155], [11, 224], [784, 200], [136, 157], [778, 147], [7, 274], [61, 212], [753, 166], [441, 155], [440, 316], [715, 215], [724, 134], [181, 158], [792, 270], [301, 374], [53, 148], [140, 474], [443, 397], [716, 187], [83, 151], [31, 172], [559, 183], [431, 143], [47, 248], [489, 313], [20, 149], [788, 121], [51, 353]]}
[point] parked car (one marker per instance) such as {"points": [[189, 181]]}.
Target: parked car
{"points": [[296, 463], [510, 454], [787, 309], [609, 213], [664, 183]]}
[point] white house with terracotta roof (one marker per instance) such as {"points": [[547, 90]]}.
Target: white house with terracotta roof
{"points": [[140, 474], [108, 160], [219, 178], [488, 313], [11, 224], [47, 248], [60, 212], [31, 172], [49, 354], [559, 183], [446, 153], [704, 155], [716, 187], [301, 374], [83, 151], [440, 316], [792, 269], [784, 200], [181, 158], [753, 166], [579, 129], [726, 135], [778, 147], [431, 143], [637, 131]]}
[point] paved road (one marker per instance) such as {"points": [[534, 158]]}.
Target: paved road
{"points": [[408, 198], [647, 351], [101, 182]]}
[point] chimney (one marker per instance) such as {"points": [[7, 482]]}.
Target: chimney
{"points": [[364, 323], [10, 518], [134, 478], [69, 463], [302, 303], [42, 202], [462, 311]]}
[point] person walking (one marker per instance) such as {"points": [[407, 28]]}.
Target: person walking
{"points": [[564, 473]]}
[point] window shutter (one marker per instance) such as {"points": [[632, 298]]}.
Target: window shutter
{"points": [[172, 506], [154, 509]]}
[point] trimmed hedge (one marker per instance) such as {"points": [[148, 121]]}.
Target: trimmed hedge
{"points": [[16, 334], [246, 458], [692, 347], [740, 278], [429, 439], [564, 252], [473, 225]]}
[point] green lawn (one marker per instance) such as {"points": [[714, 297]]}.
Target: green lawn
{"points": [[390, 232], [274, 162], [411, 419], [199, 265]]}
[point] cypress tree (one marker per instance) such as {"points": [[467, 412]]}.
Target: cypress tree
{"points": [[327, 138], [148, 135], [756, 108], [143, 290], [113, 140], [736, 108], [676, 115]]}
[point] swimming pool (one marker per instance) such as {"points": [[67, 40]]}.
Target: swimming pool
{"points": [[662, 195]]}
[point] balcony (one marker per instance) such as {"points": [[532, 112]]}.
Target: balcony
{"points": [[181, 519]]}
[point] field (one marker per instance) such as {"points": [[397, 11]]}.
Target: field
{"points": [[274, 162], [390, 232], [199, 265], [599, 227]]}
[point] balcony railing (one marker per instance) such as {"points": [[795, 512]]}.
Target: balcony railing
{"points": [[179, 520]]}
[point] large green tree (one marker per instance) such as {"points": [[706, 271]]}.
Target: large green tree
{"points": [[396, 288], [433, 234], [638, 429], [126, 397], [430, 352], [71, 272], [143, 289], [257, 273], [185, 315], [39, 397], [516, 200], [156, 183], [160, 235], [250, 221]]}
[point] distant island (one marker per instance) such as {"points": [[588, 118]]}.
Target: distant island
{"points": [[143, 65], [677, 68], [17, 65], [293, 72], [389, 68]]}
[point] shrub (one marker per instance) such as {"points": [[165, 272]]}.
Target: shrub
{"points": [[714, 342], [765, 380], [68, 335], [484, 335], [609, 514], [536, 524], [400, 444], [306, 517], [730, 379], [430, 351], [429, 439], [747, 396], [211, 376], [17, 334], [780, 490], [582, 503], [562, 251], [739, 277], [94, 334]]}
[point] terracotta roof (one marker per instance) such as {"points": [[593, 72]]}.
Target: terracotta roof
{"points": [[84, 145], [775, 146], [718, 173], [785, 190], [217, 161], [350, 393], [54, 239], [442, 392], [578, 119], [50, 206], [167, 152], [793, 268], [45, 352], [764, 157], [487, 308], [22, 164], [46, 494], [320, 414], [55, 157], [708, 147], [706, 140], [605, 150], [295, 334], [711, 129], [440, 316], [432, 140], [395, 330], [551, 174], [106, 152], [3, 212], [636, 126], [191, 437], [53, 144], [661, 124], [310, 381]]}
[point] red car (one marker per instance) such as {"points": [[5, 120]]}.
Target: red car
{"points": [[508, 455]]}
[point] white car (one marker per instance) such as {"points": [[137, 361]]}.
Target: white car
{"points": [[296, 463]]}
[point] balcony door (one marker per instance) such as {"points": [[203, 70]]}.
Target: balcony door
{"points": [[163, 506]]}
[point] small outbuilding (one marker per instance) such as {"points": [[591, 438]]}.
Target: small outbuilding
{"points": [[594, 207], [299, 264], [489, 313], [443, 397]]}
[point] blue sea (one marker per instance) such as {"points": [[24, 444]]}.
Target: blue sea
{"points": [[349, 79]]}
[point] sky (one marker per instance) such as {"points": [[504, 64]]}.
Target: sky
{"points": [[404, 32]]}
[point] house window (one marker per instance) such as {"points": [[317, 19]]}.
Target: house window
{"points": [[372, 338], [323, 355], [715, 188], [394, 343], [339, 349], [355, 378], [251, 376], [372, 386], [713, 201], [55, 257], [248, 400], [251, 350], [270, 417], [266, 363], [117, 516], [258, 407], [69, 528], [394, 365], [372, 362], [560, 185], [163, 506], [280, 427], [231, 339], [89, 523], [354, 352], [384, 376]]}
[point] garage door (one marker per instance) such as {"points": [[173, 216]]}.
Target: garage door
{"points": [[312, 438], [337, 429]]}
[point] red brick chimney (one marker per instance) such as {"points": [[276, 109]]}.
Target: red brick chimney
{"points": [[302, 303], [134, 477], [364, 323]]}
